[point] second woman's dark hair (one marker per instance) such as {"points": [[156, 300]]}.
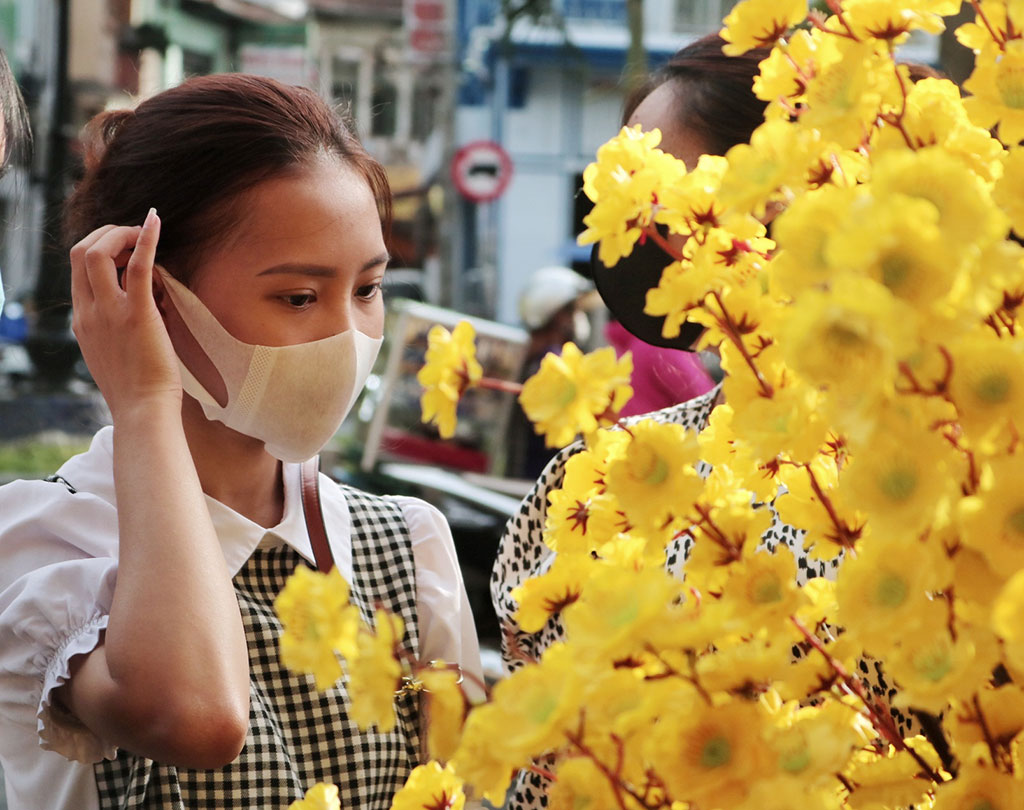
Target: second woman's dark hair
{"points": [[191, 150], [720, 104]]}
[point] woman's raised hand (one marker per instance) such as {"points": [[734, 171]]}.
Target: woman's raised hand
{"points": [[118, 326]]}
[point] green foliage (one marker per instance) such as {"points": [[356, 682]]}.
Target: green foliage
{"points": [[38, 456]]}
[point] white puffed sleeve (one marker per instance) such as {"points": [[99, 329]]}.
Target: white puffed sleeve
{"points": [[57, 574], [446, 627]]}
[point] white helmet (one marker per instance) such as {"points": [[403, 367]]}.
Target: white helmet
{"points": [[547, 291]]}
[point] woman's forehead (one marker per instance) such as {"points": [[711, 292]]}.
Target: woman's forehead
{"points": [[664, 109]]}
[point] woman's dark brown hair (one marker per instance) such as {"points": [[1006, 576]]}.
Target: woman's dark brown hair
{"points": [[720, 103], [191, 150]]}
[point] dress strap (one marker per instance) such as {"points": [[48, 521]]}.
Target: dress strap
{"points": [[309, 475]]}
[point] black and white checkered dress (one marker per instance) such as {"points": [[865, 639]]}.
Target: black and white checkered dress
{"points": [[297, 735], [522, 554]]}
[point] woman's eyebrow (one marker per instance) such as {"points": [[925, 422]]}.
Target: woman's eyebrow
{"points": [[320, 270]]}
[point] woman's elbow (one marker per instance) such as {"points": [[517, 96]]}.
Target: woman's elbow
{"points": [[188, 733], [206, 737]]}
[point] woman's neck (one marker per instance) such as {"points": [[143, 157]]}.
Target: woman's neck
{"points": [[233, 468]]}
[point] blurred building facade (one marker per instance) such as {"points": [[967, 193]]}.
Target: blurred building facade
{"points": [[551, 91], [421, 78]]}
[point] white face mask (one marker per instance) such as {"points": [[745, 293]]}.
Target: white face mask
{"points": [[292, 398]]}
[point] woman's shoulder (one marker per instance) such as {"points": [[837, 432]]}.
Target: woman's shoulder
{"points": [[71, 511], [413, 511]]}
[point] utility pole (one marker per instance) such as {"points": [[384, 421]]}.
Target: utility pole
{"points": [[50, 345], [636, 56]]}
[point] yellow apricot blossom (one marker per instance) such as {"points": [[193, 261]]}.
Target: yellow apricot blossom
{"points": [[451, 368], [992, 520], [710, 755], [997, 91], [374, 674], [539, 597], [316, 621], [444, 707], [987, 384], [655, 479], [574, 393], [886, 585], [625, 184], [431, 787], [757, 23], [321, 796], [1007, 188], [980, 787]]}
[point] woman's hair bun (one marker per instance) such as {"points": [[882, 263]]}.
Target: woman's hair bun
{"points": [[100, 132]]}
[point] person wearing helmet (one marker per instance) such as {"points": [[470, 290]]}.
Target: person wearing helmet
{"points": [[549, 307]]}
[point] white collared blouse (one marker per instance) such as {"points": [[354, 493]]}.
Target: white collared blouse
{"points": [[58, 567]]}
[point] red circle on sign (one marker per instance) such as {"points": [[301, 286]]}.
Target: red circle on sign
{"points": [[481, 170], [427, 40], [428, 10]]}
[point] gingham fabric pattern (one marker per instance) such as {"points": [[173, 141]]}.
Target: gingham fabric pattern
{"points": [[298, 736], [522, 554]]}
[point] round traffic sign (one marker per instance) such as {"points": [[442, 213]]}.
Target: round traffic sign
{"points": [[481, 170]]}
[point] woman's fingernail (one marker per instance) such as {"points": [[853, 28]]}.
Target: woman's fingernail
{"points": [[151, 218]]}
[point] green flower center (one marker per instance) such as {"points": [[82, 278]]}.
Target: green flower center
{"points": [[895, 270], [767, 590], [795, 761], [624, 615], [891, 591], [993, 388], [543, 707], [1010, 83], [716, 752], [844, 337], [646, 466], [983, 804], [568, 395], [934, 665], [1015, 521], [898, 484]]}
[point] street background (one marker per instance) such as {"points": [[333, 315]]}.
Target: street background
{"points": [[484, 114]]}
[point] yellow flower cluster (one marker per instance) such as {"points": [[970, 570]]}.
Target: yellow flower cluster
{"points": [[874, 396], [451, 368], [320, 629]]}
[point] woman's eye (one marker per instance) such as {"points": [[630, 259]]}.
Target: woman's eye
{"points": [[368, 291], [299, 300]]}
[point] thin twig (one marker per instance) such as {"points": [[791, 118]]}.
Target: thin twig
{"points": [[880, 717]]}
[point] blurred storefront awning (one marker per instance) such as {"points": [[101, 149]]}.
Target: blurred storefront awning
{"points": [[262, 11], [375, 9]]}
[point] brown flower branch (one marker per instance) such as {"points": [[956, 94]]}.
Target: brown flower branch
{"points": [[845, 536], [652, 233], [733, 332], [896, 119], [879, 715], [1001, 758], [980, 14], [495, 384], [939, 388], [715, 533], [619, 787]]}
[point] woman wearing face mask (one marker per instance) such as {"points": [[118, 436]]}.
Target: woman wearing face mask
{"points": [[229, 333], [702, 102]]}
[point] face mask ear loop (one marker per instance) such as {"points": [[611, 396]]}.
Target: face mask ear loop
{"points": [[190, 352]]}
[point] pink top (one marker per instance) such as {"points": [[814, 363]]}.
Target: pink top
{"points": [[661, 377]]}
